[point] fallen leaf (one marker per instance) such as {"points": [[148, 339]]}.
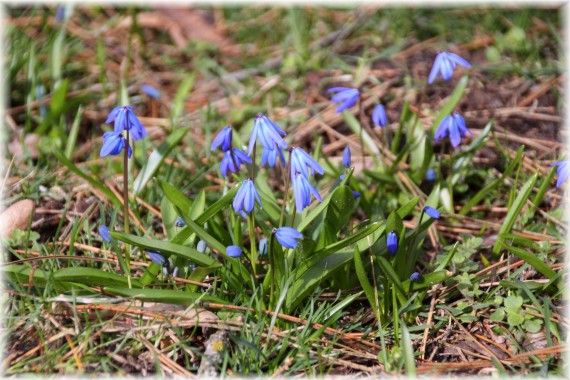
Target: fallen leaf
{"points": [[30, 147], [17, 216], [183, 25]]}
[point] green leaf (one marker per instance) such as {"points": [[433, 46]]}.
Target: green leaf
{"points": [[426, 281], [474, 200], [96, 183], [156, 158], [393, 278], [180, 97], [167, 248], [209, 239], [408, 351], [321, 207], [315, 275], [513, 303], [339, 209], [533, 325], [498, 315], [72, 139], [178, 297], [182, 202], [514, 319], [92, 277], [57, 102], [365, 283], [531, 259]]}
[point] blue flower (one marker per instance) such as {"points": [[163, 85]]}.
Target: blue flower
{"points": [[270, 157], [104, 233], [233, 251], [430, 175], [356, 194], [113, 144], [263, 247], [454, 127], [125, 119], [346, 157], [151, 91], [379, 116], [563, 170], [392, 242], [223, 138], [287, 236], [345, 96], [434, 213], [300, 161], [303, 190], [227, 163], [444, 65], [415, 276], [268, 133], [246, 197], [179, 222], [156, 257], [201, 246]]}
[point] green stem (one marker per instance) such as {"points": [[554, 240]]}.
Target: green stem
{"points": [[253, 248], [286, 196], [126, 203], [272, 269], [450, 180], [360, 117]]}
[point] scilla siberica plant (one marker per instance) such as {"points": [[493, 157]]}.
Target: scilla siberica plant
{"points": [[125, 124], [286, 233]]}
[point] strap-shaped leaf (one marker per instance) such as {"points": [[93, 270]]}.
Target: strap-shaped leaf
{"points": [[166, 248]]}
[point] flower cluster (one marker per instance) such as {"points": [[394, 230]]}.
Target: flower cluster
{"points": [[124, 119]]}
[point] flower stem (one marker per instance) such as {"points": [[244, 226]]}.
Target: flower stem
{"points": [[361, 118], [253, 248], [126, 204], [272, 269], [286, 195]]}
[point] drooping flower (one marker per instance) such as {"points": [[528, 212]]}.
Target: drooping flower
{"points": [[563, 170], [179, 222], [415, 276], [379, 116], [233, 251], [346, 96], [270, 157], [125, 119], [444, 65], [300, 161], [434, 213], [223, 138], [151, 91], [263, 247], [156, 257], [201, 246], [302, 190], [268, 133], [113, 144], [431, 175], [392, 242], [246, 197], [346, 157], [287, 236], [104, 233], [228, 165], [454, 127]]}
